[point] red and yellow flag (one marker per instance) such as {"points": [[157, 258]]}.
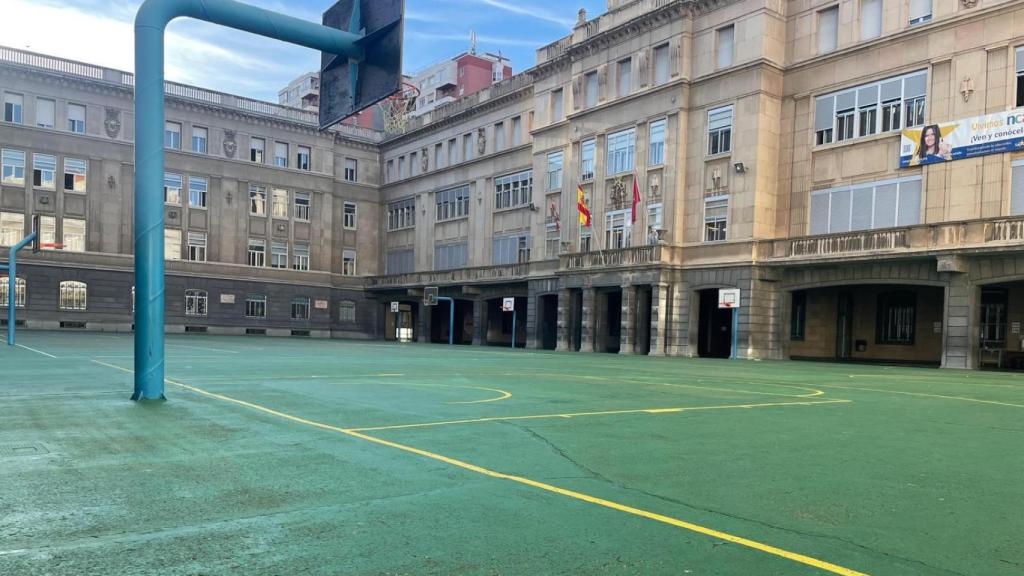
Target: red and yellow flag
{"points": [[581, 205]]}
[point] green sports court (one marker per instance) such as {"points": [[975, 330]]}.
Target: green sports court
{"points": [[289, 456]]}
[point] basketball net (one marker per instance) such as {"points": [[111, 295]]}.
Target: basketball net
{"points": [[395, 109]]}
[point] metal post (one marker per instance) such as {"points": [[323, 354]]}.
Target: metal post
{"points": [[513, 329], [451, 318], [150, 23], [735, 334], [398, 327], [12, 283]]}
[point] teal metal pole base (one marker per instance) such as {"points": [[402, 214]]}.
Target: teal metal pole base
{"points": [[138, 397]]}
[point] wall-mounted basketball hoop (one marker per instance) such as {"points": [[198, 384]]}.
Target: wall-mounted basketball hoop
{"points": [[395, 109]]}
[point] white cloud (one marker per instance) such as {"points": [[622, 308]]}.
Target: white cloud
{"points": [[482, 39], [531, 11]]}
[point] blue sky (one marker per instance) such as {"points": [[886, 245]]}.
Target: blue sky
{"points": [[100, 32]]}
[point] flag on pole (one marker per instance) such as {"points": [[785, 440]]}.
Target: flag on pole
{"points": [[581, 205], [636, 195]]}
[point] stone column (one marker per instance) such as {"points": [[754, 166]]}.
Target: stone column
{"points": [[589, 315], [564, 315], [961, 324], [677, 329], [659, 318], [479, 319], [532, 342], [628, 330]]}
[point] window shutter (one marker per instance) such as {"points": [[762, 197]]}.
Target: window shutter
{"points": [[839, 211], [861, 207], [824, 113], [828, 29], [885, 206], [867, 96], [920, 9], [846, 101], [870, 19], [892, 90], [819, 213], [1017, 190], [915, 85], [725, 45], [910, 203]]}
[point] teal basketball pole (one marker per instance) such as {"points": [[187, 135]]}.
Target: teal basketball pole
{"points": [[12, 282], [150, 24]]}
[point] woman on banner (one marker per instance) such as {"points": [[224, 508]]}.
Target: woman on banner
{"points": [[933, 148]]}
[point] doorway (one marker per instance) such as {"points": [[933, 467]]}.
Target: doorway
{"points": [[714, 338], [844, 326]]}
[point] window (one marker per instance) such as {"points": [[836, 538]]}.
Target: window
{"points": [[73, 295], [257, 149], [414, 164], [621, 150], [897, 313], [868, 206], [75, 172], [46, 112], [196, 302], [661, 64], [300, 308], [624, 74], [347, 311], [280, 154], [13, 167], [870, 19], [993, 317], [255, 306], [349, 219], [798, 316], [401, 167], [172, 243], [1017, 188], [257, 200], [74, 235], [439, 157], [453, 152], [302, 159], [172, 188], [197, 246], [172, 135], [401, 261], [451, 256], [452, 204], [588, 151], [200, 137], [720, 130], [402, 214], [44, 171], [920, 11], [467, 147], [828, 29], [517, 131], [656, 154], [499, 137], [391, 171], [257, 253], [618, 229], [586, 239], [725, 46], [19, 291], [555, 163], [351, 170], [591, 89], [14, 106], [1020, 76], [557, 106], [48, 230], [12, 229], [511, 250], [302, 206], [76, 118], [279, 199], [552, 239], [716, 218], [885, 106], [513, 190], [197, 191], [279, 255], [300, 256], [348, 263]]}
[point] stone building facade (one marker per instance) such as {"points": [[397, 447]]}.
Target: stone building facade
{"points": [[762, 140]]}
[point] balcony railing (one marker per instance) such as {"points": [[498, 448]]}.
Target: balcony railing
{"points": [[869, 241], [481, 274], [651, 255]]}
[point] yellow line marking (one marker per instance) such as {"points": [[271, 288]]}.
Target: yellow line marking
{"points": [[602, 413], [962, 398], [753, 544], [932, 380], [653, 382]]}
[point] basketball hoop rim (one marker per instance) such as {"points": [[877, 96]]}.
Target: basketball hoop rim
{"points": [[55, 245]]}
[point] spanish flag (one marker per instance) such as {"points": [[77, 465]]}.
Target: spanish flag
{"points": [[581, 205]]}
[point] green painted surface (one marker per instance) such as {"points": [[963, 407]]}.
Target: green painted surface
{"points": [[921, 472]]}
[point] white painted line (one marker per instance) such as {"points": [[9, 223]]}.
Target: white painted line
{"points": [[36, 351]]}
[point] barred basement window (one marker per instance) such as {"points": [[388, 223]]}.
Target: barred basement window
{"points": [[300, 308], [255, 306], [73, 295], [196, 302], [19, 291], [347, 311], [798, 316], [896, 323]]}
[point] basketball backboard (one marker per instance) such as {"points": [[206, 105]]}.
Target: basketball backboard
{"points": [[430, 296], [729, 298], [348, 86]]}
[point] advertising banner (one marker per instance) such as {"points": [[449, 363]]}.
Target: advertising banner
{"points": [[990, 134]]}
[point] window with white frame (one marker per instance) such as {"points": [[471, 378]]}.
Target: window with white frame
{"points": [[74, 235], [172, 243], [75, 174], [662, 57], [453, 152], [13, 167], [281, 154], [196, 302], [257, 150], [257, 200], [172, 135], [552, 239], [14, 107], [255, 306], [920, 11], [46, 113], [19, 291], [586, 239], [73, 295], [621, 152], [76, 118], [588, 155], [257, 252], [724, 54], [656, 151], [1020, 76], [200, 137], [349, 216], [1017, 188], [624, 75], [401, 261], [867, 206], [618, 229], [439, 159], [47, 230], [720, 130], [44, 171], [870, 19], [557, 105], [555, 166], [347, 311], [302, 203], [828, 29], [390, 174], [591, 89], [513, 190], [402, 214], [655, 222], [12, 228], [348, 263], [452, 204], [499, 137], [197, 246], [300, 256], [351, 170], [451, 256], [414, 163], [172, 188], [517, 131], [302, 158], [279, 254], [401, 168], [885, 106], [279, 199], [511, 249], [198, 188], [467, 148], [300, 308], [716, 218]]}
